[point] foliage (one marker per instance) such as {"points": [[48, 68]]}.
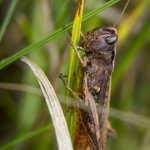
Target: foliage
{"points": [[43, 25]]}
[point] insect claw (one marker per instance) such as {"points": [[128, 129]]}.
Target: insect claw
{"points": [[81, 34], [68, 110], [62, 76], [67, 86], [76, 50], [70, 33]]}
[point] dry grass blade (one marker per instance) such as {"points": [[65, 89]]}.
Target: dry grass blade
{"points": [[21, 88], [130, 117], [61, 130]]}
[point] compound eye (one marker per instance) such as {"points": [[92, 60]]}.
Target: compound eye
{"points": [[110, 40]]}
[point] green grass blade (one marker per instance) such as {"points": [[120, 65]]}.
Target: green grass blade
{"points": [[26, 136], [73, 59], [73, 62], [129, 57], [99, 9], [62, 14], [131, 20], [61, 30], [7, 18]]}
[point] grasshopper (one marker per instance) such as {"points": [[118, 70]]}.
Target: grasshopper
{"points": [[97, 65]]}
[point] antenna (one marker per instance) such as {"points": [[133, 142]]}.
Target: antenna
{"points": [[121, 13]]}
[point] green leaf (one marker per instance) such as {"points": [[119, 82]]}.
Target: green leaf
{"points": [[7, 18], [51, 36]]}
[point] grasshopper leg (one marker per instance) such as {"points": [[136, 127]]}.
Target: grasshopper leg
{"points": [[61, 76], [77, 52]]}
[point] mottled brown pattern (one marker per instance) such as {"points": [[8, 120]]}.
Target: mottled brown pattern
{"points": [[99, 46], [80, 139]]}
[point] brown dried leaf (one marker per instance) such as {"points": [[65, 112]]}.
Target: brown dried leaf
{"points": [[61, 130]]}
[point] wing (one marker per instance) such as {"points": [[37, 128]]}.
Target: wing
{"points": [[103, 107], [80, 139], [90, 118]]}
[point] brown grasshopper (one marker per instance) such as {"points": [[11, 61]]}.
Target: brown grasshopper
{"points": [[97, 65]]}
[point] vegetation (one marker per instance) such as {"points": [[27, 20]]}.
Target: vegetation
{"points": [[42, 25]]}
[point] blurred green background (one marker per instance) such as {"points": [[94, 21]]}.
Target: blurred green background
{"points": [[24, 117]]}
